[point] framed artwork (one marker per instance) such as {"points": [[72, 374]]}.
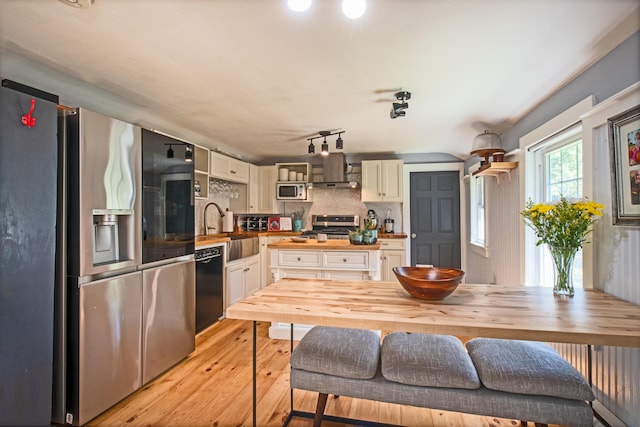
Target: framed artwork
{"points": [[624, 141]]}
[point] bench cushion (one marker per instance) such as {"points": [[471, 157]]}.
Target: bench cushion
{"points": [[343, 352], [526, 367], [427, 360]]}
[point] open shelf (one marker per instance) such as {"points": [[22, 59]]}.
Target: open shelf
{"points": [[496, 169]]}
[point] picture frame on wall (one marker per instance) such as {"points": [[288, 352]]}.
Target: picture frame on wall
{"points": [[624, 145]]}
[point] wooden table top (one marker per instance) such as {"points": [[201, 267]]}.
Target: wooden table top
{"points": [[514, 312]]}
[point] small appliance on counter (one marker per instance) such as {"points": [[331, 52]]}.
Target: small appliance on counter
{"points": [[388, 222]]}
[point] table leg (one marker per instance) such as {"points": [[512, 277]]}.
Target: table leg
{"points": [[255, 337]]}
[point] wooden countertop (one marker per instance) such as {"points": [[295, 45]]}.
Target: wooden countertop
{"points": [[332, 244], [391, 235], [514, 312], [203, 241]]}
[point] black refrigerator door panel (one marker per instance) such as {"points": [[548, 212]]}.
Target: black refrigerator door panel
{"points": [[28, 203], [167, 198]]}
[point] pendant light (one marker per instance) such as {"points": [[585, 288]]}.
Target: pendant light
{"points": [[325, 147], [170, 152]]}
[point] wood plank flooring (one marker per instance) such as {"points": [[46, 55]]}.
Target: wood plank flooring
{"points": [[212, 387]]}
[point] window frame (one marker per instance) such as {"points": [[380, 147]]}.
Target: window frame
{"points": [[563, 121], [478, 213]]}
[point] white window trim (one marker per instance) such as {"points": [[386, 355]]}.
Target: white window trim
{"points": [[475, 246], [559, 123]]}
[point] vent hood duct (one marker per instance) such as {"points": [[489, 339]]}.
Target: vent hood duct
{"points": [[333, 167]]}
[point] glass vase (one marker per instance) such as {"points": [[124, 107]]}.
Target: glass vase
{"points": [[563, 270]]}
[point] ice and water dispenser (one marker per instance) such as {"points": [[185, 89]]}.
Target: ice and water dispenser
{"points": [[109, 236]]}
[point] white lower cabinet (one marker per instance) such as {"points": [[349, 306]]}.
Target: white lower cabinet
{"points": [[392, 254], [242, 278], [319, 264]]}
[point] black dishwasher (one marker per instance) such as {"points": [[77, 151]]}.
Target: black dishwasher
{"points": [[209, 284]]}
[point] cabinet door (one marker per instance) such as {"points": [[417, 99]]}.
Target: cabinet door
{"points": [[254, 189], [346, 260], [267, 196], [234, 279], [299, 258], [391, 180], [252, 276], [391, 259], [371, 191], [239, 171], [219, 166]]}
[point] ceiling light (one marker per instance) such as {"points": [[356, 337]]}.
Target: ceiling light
{"points": [[170, 152], [299, 5], [188, 155], [325, 147], [353, 9]]}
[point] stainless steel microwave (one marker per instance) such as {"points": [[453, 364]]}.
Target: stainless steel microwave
{"points": [[297, 191]]}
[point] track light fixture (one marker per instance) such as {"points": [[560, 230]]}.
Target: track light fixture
{"points": [[170, 152], [188, 155], [397, 108], [324, 150]]}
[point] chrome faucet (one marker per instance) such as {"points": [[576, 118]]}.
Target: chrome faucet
{"points": [[206, 229]]}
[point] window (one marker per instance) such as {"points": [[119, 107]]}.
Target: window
{"points": [[558, 165], [478, 214]]}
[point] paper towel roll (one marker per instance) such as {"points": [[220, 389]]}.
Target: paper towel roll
{"points": [[227, 222]]}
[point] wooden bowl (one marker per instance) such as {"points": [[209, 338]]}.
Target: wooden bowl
{"points": [[429, 283]]}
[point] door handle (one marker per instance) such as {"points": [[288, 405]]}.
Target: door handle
{"points": [[413, 235]]}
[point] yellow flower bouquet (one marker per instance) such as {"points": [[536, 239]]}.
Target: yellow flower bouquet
{"points": [[563, 226]]}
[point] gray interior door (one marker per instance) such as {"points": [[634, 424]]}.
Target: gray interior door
{"points": [[435, 218]]}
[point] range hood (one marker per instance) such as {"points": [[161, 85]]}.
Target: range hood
{"points": [[333, 171]]}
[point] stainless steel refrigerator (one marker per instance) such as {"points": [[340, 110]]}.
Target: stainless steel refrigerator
{"points": [[28, 221], [99, 347]]}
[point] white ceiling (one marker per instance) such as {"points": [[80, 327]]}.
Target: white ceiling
{"points": [[256, 79]]}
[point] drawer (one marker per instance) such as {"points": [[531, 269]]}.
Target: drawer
{"points": [[348, 260], [391, 244], [299, 258]]}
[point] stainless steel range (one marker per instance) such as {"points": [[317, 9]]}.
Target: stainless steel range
{"points": [[334, 226]]}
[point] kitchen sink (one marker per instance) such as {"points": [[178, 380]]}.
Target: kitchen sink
{"points": [[242, 247]]}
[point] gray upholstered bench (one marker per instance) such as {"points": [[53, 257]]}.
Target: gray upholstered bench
{"points": [[501, 378]]}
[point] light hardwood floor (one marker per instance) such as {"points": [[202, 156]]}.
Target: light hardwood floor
{"points": [[212, 387]]}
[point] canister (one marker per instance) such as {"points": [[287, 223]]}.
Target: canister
{"points": [[292, 175], [284, 174]]}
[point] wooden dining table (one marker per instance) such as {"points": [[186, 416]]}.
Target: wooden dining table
{"points": [[590, 317]]}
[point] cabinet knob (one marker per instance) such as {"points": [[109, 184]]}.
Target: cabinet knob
{"points": [[299, 259], [413, 235], [344, 260]]}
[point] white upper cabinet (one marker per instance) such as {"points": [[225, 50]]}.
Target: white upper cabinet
{"points": [[382, 180], [228, 168], [262, 189]]}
